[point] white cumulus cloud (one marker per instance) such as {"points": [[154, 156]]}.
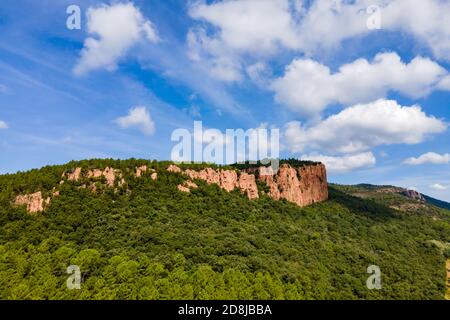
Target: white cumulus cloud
{"points": [[308, 87], [138, 117], [250, 25], [364, 126], [113, 30], [429, 158], [3, 125], [344, 163]]}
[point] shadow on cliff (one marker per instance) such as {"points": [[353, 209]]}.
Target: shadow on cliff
{"points": [[364, 207]]}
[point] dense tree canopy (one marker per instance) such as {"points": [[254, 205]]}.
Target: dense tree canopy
{"points": [[147, 240]]}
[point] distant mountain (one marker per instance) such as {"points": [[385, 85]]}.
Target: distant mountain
{"points": [[437, 203], [139, 229], [395, 197]]}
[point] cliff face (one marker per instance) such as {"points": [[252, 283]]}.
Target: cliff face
{"points": [[412, 194], [35, 203], [225, 179], [303, 186]]}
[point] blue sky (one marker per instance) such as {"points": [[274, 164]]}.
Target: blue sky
{"points": [[373, 104]]}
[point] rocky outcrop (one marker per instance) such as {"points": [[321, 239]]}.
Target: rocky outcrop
{"points": [[209, 175], [303, 185], [110, 175], [141, 170], [187, 186], [183, 188], [413, 194], [229, 180], [74, 175], [94, 174], [247, 184], [409, 193], [173, 168], [225, 179], [34, 202]]}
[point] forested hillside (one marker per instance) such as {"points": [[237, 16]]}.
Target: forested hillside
{"points": [[146, 240]]}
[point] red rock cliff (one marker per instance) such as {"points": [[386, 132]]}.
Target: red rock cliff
{"points": [[303, 185], [34, 202]]}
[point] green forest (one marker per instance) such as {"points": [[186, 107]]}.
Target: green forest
{"points": [[147, 240]]}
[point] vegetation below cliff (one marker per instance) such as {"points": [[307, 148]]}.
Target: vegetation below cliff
{"points": [[147, 240]]}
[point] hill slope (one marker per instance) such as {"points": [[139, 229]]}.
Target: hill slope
{"points": [[147, 240], [396, 198]]}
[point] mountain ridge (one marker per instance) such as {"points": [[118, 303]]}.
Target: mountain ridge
{"points": [[156, 242]]}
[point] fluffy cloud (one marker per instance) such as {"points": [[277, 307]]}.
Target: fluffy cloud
{"points": [[427, 21], [261, 27], [138, 117], [430, 157], [114, 30], [362, 127], [3, 125], [308, 86], [344, 163], [438, 187], [257, 26]]}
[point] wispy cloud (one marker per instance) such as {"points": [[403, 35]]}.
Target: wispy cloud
{"points": [[3, 125], [438, 187], [429, 158]]}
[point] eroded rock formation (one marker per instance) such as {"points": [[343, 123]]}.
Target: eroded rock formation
{"points": [[74, 175], [247, 184], [413, 194], [303, 185], [187, 186], [36, 203], [141, 170], [173, 168], [33, 201], [225, 179], [110, 175]]}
